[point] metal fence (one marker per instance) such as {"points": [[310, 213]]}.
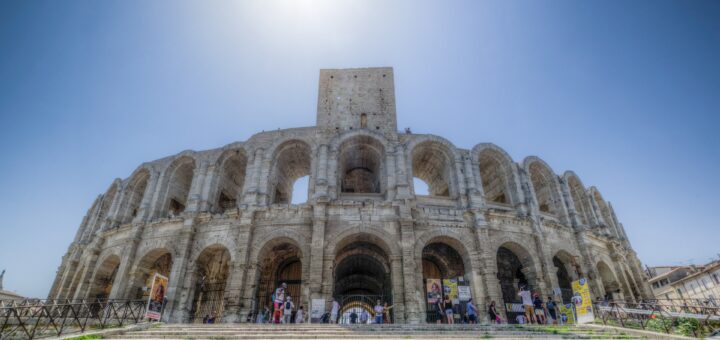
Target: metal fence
{"points": [[665, 315], [36, 318]]}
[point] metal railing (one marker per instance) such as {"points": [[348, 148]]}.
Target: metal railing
{"points": [[661, 315], [36, 318]]}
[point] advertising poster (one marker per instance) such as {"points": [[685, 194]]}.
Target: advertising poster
{"points": [[434, 290], [566, 314], [450, 290], [582, 301], [156, 298], [464, 293], [317, 309]]}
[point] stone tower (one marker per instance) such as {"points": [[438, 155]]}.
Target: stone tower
{"points": [[360, 98]]}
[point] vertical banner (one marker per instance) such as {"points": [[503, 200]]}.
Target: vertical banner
{"points": [[582, 301], [317, 309], [434, 290], [566, 314], [450, 290], [156, 298]]}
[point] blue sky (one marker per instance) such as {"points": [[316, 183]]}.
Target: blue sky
{"points": [[625, 93]]}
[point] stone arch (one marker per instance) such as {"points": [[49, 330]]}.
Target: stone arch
{"points": [[361, 165], [516, 268], [610, 282], [291, 160], [107, 202], [495, 169], [433, 161], [280, 260], [544, 186], [104, 277], [155, 261], [370, 234], [135, 190], [566, 271], [443, 254], [604, 209], [210, 275], [231, 169], [178, 182], [581, 203]]}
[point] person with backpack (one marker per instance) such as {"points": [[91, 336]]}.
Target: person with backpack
{"points": [[278, 299], [552, 310], [287, 314], [471, 312]]}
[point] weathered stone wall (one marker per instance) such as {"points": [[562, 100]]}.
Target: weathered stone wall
{"points": [[234, 200]]}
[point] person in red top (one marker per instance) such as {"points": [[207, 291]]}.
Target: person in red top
{"points": [[279, 302]]}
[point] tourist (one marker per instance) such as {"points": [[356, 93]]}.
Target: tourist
{"points": [[364, 317], [279, 300], [471, 312], [212, 317], [300, 315], [520, 319], [386, 313], [266, 314], [287, 314], [379, 309], [439, 310], [539, 307], [552, 310], [527, 304], [492, 312], [334, 311], [448, 308], [353, 317]]}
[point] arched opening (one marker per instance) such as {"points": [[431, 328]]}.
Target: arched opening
{"points": [[157, 261], [443, 271], [432, 164], [300, 190], [543, 182], [210, 277], [107, 201], [361, 277], [292, 161], [605, 212], [231, 181], [75, 283], [421, 188], [180, 178], [515, 270], [279, 262], [609, 281], [104, 278], [495, 175], [565, 270], [361, 165], [134, 195], [580, 201]]}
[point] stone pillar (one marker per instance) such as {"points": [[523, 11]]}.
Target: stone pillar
{"points": [[255, 169], [157, 204], [321, 182], [233, 293], [587, 258], [573, 216], [413, 313], [194, 196], [208, 187], [475, 191], [391, 174], [125, 276], [83, 289], [317, 252], [624, 283], [179, 297], [397, 278], [246, 291], [598, 213], [403, 186], [145, 209]]}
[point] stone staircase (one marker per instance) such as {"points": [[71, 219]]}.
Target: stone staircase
{"points": [[425, 331]]}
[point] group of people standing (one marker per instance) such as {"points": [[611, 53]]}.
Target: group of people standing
{"points": [[536, 310], [282, 309]]}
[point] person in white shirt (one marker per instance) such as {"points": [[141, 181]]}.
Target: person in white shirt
{"points": [[334, 311], [364, 317], [527, 304], [300, 315], [287, 313], [379, 310]]}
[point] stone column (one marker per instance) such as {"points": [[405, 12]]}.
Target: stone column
{"points": [[391, 174], [317, 252], [126, 274], [245, 244], [403, 186], [397, 278], [587, 259], [572, 213], [156, 206], [409, 265], [208, 188], [179, 298], [255, 171], [194, 196], [321, 182], [145, 209]]}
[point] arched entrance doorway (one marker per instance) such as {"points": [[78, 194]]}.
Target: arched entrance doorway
{"points": [[280, 263], [566, 273], [515, 269], [158, 261], [361, 278], [211, 273], [443, 268], [104, 278], [609, 281]]}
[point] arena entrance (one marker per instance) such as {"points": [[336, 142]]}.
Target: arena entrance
{"points": [[211, 273], [361, 278], [441, 262], [515, 270], [280, 263]]}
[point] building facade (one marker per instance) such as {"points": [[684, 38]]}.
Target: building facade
{"points": [[687, 285], [219, 223]]}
